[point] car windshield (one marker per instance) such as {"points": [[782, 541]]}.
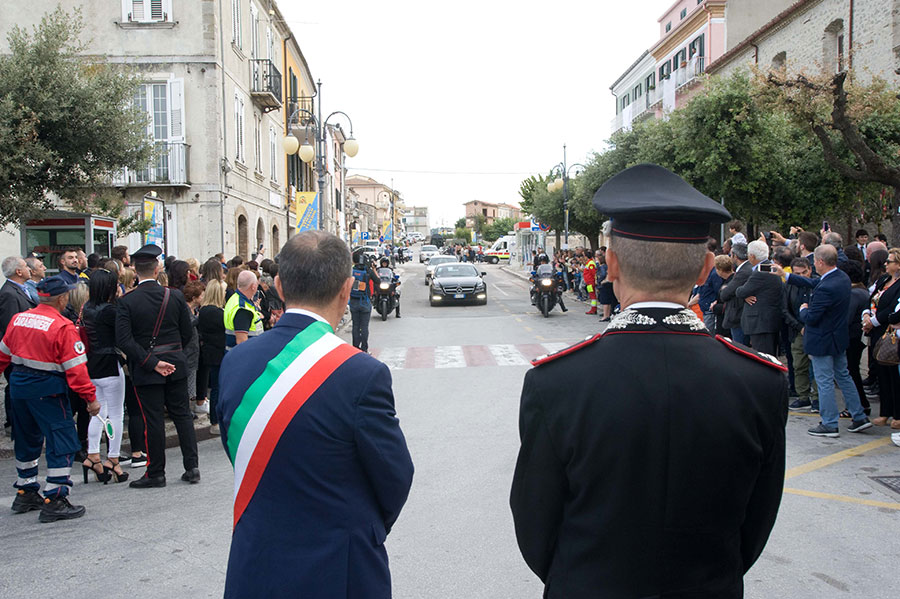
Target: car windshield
{"points": [[429, 248], [455, 270]]}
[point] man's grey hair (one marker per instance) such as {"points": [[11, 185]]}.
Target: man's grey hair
{"points": [[827, 254], [10, 264], [313, 266], [758, 249], [656, 267], [833, 239], [739, 251], [245, 279], [32, 262]]}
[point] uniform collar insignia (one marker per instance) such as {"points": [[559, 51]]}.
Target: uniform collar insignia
{"points": [[681, 319]]}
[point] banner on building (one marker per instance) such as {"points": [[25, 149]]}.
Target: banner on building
{"points": [[307, 210], [387, 231], [155, 212]]}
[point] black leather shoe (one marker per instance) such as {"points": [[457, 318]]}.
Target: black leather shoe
{"points": [[26, 501], [191, 476], [60, 509], [148, 482]]}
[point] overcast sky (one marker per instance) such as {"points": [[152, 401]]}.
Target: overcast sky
{"points": [[461, 101]]}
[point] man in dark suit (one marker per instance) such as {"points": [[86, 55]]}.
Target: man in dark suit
{"points": [[667, 481], [763, 296], [153, 325], [321, 467], [826, 340], [734, 306], [14, 298]]}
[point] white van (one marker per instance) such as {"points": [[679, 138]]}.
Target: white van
{"points": [[501, 249]]}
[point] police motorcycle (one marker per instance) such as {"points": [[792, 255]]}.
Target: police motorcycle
{"points": [[545, 291], [387, 296]]}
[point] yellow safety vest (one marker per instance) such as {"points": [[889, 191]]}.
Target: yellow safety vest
{"points": [[236, 302]]}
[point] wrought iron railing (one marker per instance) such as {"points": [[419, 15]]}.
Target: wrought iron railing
{"points": [[265, 78], [169, 166]]}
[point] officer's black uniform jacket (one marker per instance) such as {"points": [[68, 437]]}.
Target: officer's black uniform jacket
{"points": [[136, 314], [664, 479]]}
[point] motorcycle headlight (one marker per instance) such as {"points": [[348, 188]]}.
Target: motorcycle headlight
{"points": [[384, 286], [546, 282]]}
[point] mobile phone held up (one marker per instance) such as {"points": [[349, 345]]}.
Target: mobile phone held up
{"points": [[825, 226], [765, 267]]}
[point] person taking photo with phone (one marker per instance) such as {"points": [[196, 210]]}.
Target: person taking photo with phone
{"points": [[761, 318]]}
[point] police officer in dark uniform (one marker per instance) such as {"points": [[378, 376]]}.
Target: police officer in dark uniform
{"points": [[666, 481], [360, 300], [153, 325]]}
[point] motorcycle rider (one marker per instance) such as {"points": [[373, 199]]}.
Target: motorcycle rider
{"points": [[385, 263], [557, 280]]}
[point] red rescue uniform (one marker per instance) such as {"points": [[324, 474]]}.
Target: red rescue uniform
{"points": [[590, 280]]}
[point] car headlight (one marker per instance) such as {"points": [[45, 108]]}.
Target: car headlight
{"points": [[546, 282], [384, 286], [479, 285]]}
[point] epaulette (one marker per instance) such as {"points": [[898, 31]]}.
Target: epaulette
{"points": [[760, 357], [565, 352]]}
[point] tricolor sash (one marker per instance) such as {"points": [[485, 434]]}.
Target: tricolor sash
{"points": [[272, 401]]}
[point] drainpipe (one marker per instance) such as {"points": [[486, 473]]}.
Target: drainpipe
{"points": [[222, 173], [850, 40], [708, 33], [755, 53]]}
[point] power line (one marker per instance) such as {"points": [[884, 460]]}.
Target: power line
{"points": [[479, 173]]}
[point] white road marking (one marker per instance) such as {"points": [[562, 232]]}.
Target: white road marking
{"points": [[508, 355], [500, 289], [393, 357], [449, 356]]}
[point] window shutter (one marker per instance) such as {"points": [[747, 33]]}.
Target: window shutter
{"points": [[237, 127], [176, 109], [236, 22], [137, 10], [270, 44], [156, 10]]}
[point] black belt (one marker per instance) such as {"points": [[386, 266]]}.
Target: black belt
{"points": [[29, 370]]}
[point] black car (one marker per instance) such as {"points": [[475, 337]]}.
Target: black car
{"points": [[457, 283]]}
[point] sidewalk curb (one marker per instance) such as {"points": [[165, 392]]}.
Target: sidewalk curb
{"points": [[517, 273]]}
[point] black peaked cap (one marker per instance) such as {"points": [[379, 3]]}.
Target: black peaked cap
{"points": [[148, 253], [650, 203]]}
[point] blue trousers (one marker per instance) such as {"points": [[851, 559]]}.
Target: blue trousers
{"points": [[360, 313], [829, 370], [39, 419]]}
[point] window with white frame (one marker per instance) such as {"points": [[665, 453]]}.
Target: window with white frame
{"points": [[147, 11], [238, 127], [273, 153], [162, 102], [257, 142], [236, 37]]}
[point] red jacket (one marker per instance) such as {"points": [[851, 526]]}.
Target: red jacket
{"points": [[590, 273], [47, 342]]}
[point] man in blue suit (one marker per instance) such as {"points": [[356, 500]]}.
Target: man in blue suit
{"points": [[321, 466], [826, 339]]}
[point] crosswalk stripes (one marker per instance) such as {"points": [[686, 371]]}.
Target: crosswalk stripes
{"points": [[464, 356]]}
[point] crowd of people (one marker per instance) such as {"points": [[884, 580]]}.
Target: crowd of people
{"points": [[822, 306], [227, 302]]}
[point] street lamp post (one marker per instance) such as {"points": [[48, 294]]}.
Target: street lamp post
{"points": [[563, 182], [307, 151]]}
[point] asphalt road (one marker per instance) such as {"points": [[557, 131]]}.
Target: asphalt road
{"points": [[457, 375]]}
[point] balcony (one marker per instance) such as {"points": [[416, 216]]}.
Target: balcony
{"points": [[265, 84], [169, 166], [689, 72], [302, 106], [617, 123]]}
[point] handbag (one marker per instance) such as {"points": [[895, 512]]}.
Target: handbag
{"points": [[887, 350], [82, 331]]}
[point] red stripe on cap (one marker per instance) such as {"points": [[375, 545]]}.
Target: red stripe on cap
{"points": [[281, 418]]}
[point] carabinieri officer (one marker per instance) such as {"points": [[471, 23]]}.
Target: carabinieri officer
{"points": [[46, 353], [660, 474]]}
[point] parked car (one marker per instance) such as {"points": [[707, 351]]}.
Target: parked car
{"points": [[427, 252], [457, 283], [433, 262]]}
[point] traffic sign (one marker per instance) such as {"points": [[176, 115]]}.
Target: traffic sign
{"points": [[381, 238], [365, 235]]}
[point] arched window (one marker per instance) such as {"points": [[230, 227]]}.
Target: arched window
{"points": [[242, 237], [276, 242]]}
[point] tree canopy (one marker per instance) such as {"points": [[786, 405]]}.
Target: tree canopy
{"points": [[67, 123]]}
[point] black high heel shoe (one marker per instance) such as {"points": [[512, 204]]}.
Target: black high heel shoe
{"points": [[117, 475], [89, 465]]}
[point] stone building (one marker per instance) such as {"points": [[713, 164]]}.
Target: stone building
{"points": [[214, 92]]}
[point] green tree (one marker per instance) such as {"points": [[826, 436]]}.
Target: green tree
{"points": [[480, 223], [461, 223], [527, 189], [498, 228], [67, 124], [463, 233]]}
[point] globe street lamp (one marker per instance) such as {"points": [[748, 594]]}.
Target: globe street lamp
{"points": [[312, 146], [562, 182]]}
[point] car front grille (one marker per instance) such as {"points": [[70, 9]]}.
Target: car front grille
{"points": [[451, 288]]}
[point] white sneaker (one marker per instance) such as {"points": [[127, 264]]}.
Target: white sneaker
{"points": [[201, 408], [895, 439], [214, 429]]}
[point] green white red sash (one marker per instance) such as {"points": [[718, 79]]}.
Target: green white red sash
{"points": [[272, 400]]}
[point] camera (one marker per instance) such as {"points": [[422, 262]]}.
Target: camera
{"points": [[765, 268]]}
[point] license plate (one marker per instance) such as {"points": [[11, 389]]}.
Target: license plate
{"points": [[459, 296]]}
